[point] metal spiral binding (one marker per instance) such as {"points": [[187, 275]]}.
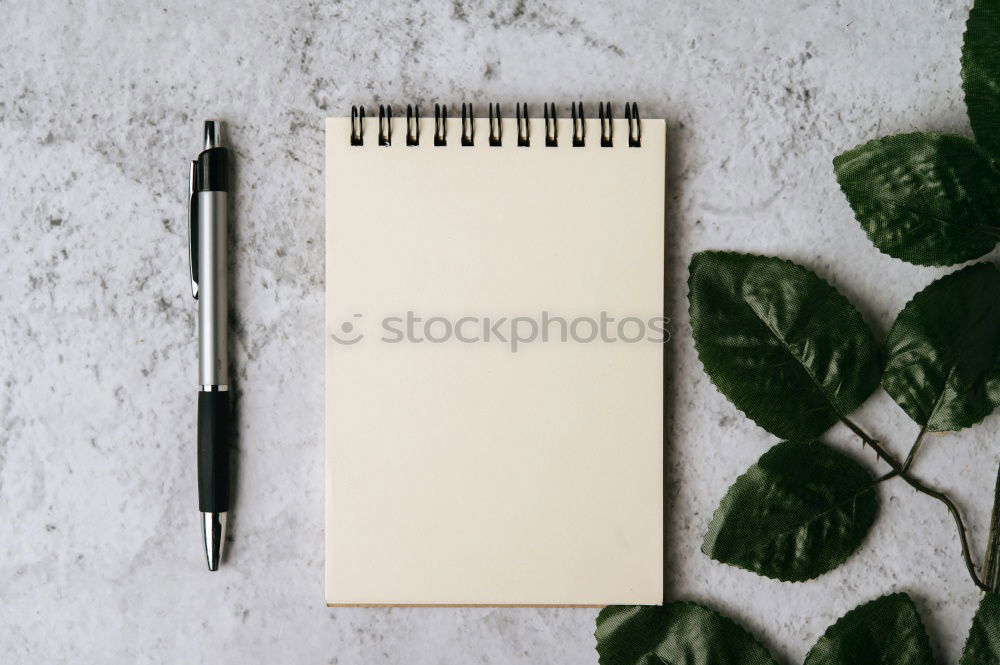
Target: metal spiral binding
{"points": [[607, 126], [440, 124], [468, 126], [551, 127], [412, 125], [579, 126], [357, 125], [634, 136], [384, 125], [550, 115], [523, 128], [496, 139]]}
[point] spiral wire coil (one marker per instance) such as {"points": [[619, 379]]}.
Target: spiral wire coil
{"points": [[550, 117]]}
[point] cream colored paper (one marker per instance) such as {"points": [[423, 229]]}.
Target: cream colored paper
{"points": [[469, 473]]}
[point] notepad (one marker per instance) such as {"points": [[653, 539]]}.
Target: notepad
{"points": [[494, 374]]}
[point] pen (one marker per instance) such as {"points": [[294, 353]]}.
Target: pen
{"points": [[207, 234]]}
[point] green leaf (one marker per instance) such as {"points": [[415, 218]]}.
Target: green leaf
{"points": [[981, 72], [680, 633], [886, 631], [930, 199], [943, 351], [782, 344], [797, 513], [983, 644]]}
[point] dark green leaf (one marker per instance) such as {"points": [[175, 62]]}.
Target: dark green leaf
{"points": [[679, 633], [799, 512], [886, 631], [983, 644], [981, 72], [943, 352], [783, 345], [930, 199]]}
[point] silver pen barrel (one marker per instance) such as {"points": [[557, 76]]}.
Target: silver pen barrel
{"points": [[213, 305], [213, 291]]}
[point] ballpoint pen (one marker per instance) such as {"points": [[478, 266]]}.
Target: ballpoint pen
{"points": [[207, 234]]}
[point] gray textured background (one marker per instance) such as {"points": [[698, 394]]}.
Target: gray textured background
{"points": [[100, 105]]}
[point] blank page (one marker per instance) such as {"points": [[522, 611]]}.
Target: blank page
{"points": [[467, 462]]}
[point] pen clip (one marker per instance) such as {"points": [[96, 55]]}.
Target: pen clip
{"points": [[193, 231]]}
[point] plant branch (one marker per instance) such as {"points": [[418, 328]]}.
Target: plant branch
{"points": [[915, 448], [901, 471], [991, 567], [867, 438], [953, 509], [876, 446]]}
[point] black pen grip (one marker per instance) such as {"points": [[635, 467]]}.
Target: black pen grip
{"points": [[213, 451]]}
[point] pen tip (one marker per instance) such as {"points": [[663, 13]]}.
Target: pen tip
{"points": [[214, 527], [213, 134]]}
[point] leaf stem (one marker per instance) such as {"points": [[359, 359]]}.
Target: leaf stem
{"points": [[991, 567], [901, 471], [915, 448]]}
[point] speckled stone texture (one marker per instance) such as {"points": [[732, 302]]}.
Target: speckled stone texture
{"points": [[100, 109]]}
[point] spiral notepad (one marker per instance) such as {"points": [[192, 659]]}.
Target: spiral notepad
{"points": [[494, 357]]}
